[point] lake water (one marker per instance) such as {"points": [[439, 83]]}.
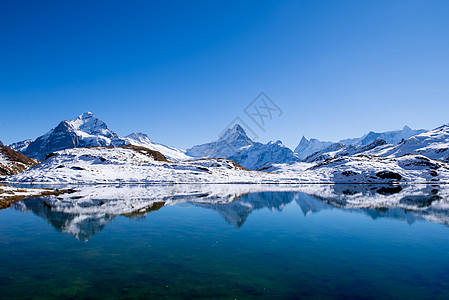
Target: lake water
{"points": [[228, 242]]}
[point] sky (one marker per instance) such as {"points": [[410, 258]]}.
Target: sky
{"points": [[182, 71]]}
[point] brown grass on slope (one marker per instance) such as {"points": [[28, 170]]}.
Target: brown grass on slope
{"points": [[14, 162]]}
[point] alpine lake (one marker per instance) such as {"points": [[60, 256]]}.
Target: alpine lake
{"points": [[228, 242]]}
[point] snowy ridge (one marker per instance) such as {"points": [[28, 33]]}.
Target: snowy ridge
{"points": [[353, 146], [391, 137]]}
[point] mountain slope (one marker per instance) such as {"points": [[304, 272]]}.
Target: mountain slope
{"points": [[13, 162]]}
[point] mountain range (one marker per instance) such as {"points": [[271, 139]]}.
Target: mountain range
{"points": [[108, 157], [317, 148], [88, 131], [433, 144]]}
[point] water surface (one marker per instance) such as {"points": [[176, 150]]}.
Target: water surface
{"points": [[228, 242]]}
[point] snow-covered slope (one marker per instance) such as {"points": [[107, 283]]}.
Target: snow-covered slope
{"points": [[373, 169], [13, 162], [308, 146], [132, 164], [85, 131], [236, 145], [391, 137], [258, 155], [141, 139]]}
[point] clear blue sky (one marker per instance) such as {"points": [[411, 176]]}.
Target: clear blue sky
{"points": [[181, 71]]}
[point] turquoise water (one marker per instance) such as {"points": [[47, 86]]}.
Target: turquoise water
{"points": [[264, 245]]}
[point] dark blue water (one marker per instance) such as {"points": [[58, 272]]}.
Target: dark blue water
{"points": [[267, 245]]}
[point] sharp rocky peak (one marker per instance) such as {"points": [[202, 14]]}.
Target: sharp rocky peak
{"points": [[236, 132]]}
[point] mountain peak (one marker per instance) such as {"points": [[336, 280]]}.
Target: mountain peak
{"points": [[238, 128], [304, 139], [236, 132], [406, 128], [90, 124], [86, 115]]}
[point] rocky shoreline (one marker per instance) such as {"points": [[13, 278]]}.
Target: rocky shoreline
{"points": [[10, 194]]}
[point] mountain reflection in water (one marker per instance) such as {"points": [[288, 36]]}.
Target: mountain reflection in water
{"points": [[87, 211]]}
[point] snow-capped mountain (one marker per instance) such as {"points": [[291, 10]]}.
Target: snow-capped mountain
{"points": [[141, 139], [85, 131], [1, 144], [236, 145], [231, 141], [88, 131], [391, 137], [309, 146]]}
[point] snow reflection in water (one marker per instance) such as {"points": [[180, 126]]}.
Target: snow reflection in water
{"points": [[87, 211]]}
